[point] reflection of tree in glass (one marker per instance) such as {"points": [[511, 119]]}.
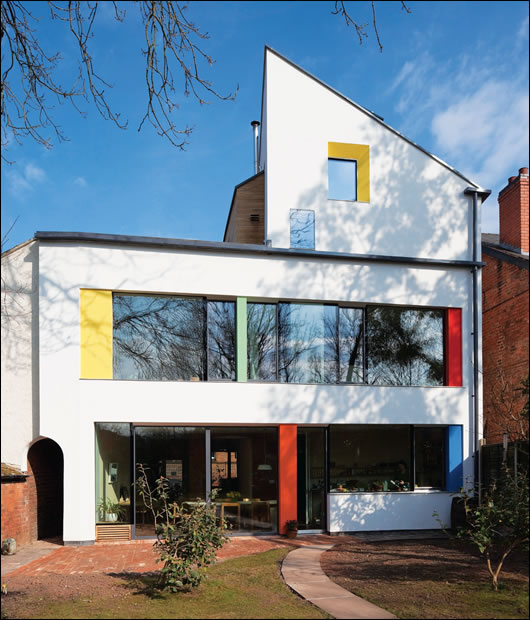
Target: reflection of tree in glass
{"points": [[351, 344], [405, 347], [221, 340], [302, 229], [302, 343], [261, 335], [159, 338], [324, 359]]}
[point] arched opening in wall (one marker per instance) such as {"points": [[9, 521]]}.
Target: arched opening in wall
{"points": [[45, 460]]}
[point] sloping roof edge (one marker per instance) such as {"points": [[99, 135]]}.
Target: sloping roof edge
{"points": [[372, 115]]}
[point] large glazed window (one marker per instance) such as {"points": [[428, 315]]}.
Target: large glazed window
{"points": [[307, 343], [429, 456], [244, 464], [261, 338], [113, 472], [173, 338], [351, 346], [404, 346], [221, 340], [178, 454], [369, 458], [159, 338]]}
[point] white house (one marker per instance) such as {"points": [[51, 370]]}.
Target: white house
{"points": [[320, 364]]}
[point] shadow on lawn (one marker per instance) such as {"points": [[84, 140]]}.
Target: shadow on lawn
{"points": [[399, 561], [141, 583]]}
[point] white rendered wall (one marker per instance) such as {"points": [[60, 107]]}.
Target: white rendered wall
{"points": [[417, 207], [19, 353], [369, 512], [70, 406]]}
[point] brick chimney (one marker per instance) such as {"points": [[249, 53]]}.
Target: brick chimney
{"points": [[513, 213]]}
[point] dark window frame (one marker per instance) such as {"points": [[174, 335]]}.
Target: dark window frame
{"points": [[356, 161]]}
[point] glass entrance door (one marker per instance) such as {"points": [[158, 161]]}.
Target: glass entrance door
{"points": [[177, 454], [244, 471], [311, 496]]}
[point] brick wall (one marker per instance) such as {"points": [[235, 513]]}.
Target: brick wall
{"points": [[19, 510], [33, 508], [504, 339]]}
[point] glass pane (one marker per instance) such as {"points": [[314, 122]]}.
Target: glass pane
{"points": [[429, 449], [369, 458], [245, 471], [307, 340], [311, 497], [404, 346], [177, 453], [261, 335], [342, 179], [351, 345], [302, 229], [158, 338], [113, 472], [222, 340]]}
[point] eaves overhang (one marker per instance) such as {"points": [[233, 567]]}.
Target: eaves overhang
{"points": [[250, 250]]}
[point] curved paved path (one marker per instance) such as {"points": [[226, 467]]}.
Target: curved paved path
{"points": [[302, 573]]}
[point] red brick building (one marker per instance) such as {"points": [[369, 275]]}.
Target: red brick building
{"points": [[505, 312]]}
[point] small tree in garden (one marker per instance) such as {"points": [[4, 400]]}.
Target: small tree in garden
{"points": [[187, 539], [500, 523]]}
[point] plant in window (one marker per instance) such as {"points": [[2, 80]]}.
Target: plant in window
{"points": [[111, 511], [400, 485]]}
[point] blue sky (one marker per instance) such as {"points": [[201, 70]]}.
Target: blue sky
{"points": [[453, 77]]}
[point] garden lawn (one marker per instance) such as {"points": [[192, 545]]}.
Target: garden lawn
{"points": [[428, 579], [247, 587]]}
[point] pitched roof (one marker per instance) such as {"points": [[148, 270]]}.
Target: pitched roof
{"points": [[372, 115], [491, 246]]}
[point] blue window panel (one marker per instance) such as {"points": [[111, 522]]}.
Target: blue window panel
{"points": [[302, 229], [342, 179], [455, 458]]}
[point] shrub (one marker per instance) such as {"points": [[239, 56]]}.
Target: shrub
{"points": [[188, 536], [499, 524]]}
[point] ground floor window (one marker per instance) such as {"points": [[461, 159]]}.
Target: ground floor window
{"points": [[390, 457], [242, 464], [113, 473], [368, 457]]}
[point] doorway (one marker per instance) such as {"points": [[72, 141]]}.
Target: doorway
{"points": [[45, 459], [311, 489]]}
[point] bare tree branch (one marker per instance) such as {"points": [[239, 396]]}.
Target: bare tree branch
{"points": [[173, 44], [360, 29]]}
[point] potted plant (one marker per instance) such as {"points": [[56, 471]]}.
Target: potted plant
{"points": [[111, 511], [292, 528]]}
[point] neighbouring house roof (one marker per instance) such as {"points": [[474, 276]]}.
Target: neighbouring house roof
{"points": [[11, 472], [491, 247]]}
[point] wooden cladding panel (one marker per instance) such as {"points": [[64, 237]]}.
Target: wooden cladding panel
{"points": [[249, 200]]}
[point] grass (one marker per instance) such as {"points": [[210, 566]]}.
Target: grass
{"points": [[247, 587], [443, 600], [429, 579]]}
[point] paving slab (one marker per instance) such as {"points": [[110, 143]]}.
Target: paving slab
{"points": [[27, 554], [302, 573]]}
